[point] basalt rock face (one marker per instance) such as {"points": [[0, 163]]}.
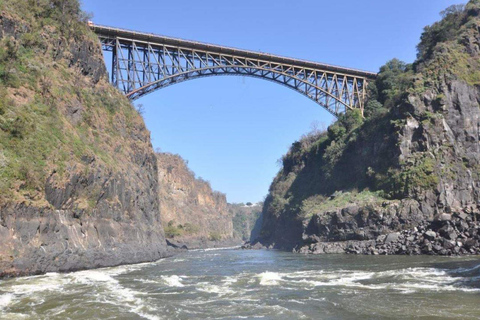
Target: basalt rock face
{"points": [[411, 184], [40, 240], [192, 213], [78, 176]]}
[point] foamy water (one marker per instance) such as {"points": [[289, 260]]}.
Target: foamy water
{"points": [[173, 281], [236, 284]]}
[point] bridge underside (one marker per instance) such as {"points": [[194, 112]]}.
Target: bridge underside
{"points": [[141, 65]]}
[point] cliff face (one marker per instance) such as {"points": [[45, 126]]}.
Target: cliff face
{"points": [[406, 179], [191, 212], [78, 176], [245, 217]]}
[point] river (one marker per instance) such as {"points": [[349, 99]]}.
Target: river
{"points": [[254, 284]]}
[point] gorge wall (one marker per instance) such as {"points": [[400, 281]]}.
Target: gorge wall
{"points": [[245, 219], [192, 213], [404, 179], [78, 176]]}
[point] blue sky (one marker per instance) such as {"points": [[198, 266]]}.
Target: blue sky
{"points": [[232, 130]]}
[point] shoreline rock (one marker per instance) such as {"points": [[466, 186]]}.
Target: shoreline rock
{"points": [[198, 244], [37, 242], [456, 234]]}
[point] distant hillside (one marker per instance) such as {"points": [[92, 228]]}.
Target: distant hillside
{"points": [[192, 213], [404, 179], [244, 218]]}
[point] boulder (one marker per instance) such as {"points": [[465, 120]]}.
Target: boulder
{"points": [[392, 237], [431, 235]]}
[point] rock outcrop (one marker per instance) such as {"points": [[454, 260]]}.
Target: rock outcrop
{"points": [[78, 176], [192, 213], [402, 181]]}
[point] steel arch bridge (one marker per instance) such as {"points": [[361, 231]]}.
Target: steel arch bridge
{"points": [[142, 63]]}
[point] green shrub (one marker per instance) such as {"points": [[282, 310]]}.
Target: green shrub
{"points": [[214, 236], [172, 231], [30, 39], [3, 108], [319, 203], [15, 126], [374, 109], [419, 174], [190, 228], [336, 131], [441, 31], [392, 82]]}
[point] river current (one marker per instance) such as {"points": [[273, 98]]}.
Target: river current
{"points": [[250, 284]]}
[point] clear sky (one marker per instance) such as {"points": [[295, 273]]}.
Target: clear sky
{"points": [[232, 130]]}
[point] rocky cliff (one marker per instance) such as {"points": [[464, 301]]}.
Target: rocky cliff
{"points": [[245, 217], [192, 213], [78, 176], [402, 180]]}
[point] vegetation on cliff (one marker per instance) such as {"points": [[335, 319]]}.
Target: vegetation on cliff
{"points": [[58, 114], [78, 176], [418, 138]]}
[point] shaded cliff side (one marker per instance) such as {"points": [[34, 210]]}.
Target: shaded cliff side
{"points": [[78, 176], [405, 179], [245, 217], [192, 213]]}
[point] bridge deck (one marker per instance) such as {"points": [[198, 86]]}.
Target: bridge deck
{"points": [[106, 31]]}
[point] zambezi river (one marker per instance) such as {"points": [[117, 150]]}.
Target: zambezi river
{"points": [[254, 284]]}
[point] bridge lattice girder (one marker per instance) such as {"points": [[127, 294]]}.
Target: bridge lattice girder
{"points": [[143, 63]]}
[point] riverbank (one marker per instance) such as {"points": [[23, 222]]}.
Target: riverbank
{"points": [[199, 244], [455, 234], [173, 248]]}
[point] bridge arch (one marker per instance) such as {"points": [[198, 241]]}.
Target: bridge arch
{"points": [[195, 74], [143, 63]]}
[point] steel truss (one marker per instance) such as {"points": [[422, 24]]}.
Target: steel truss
{"points": [[143, 63]]}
